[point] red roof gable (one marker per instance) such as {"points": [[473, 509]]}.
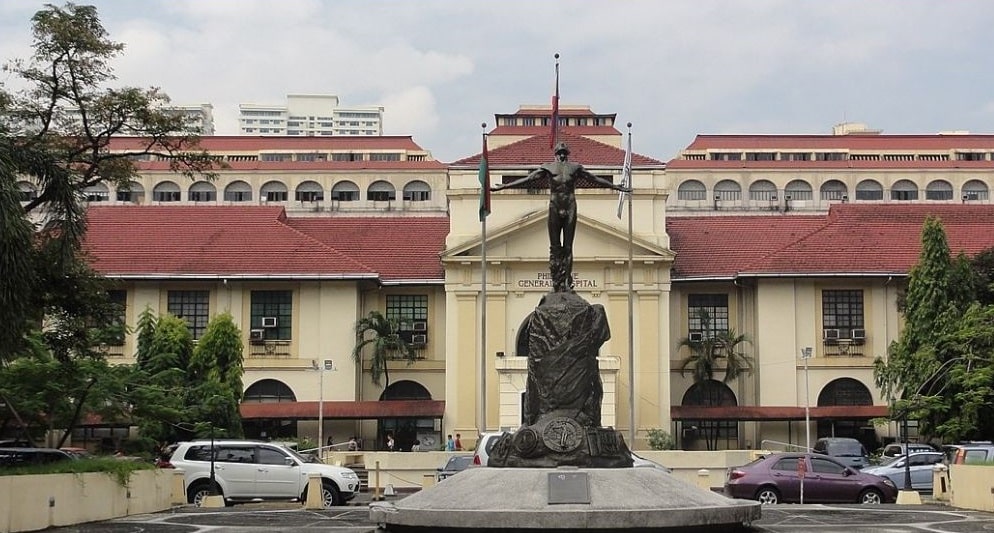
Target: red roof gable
{"points": [[854, 239], [253, 241], [398, 248], [535, 151]]}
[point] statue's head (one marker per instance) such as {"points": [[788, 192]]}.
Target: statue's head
{"points": [[561, 148]]}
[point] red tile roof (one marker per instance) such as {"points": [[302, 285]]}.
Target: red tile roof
{"points": [[246, 143], [398, 248], [681, 164], [538, 130], [853, 239], [253, 241], [889, 143], [535, 151], [305, 166]]}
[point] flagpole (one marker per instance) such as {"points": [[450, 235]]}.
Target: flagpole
{"points": [[555, 109], [631, 298], [482, 424]]}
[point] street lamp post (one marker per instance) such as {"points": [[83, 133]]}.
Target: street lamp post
{"points": [[805, 355], [327, 364], [213, 477]]}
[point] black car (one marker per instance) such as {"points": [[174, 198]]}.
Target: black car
{"points": [[13, 457], [455, 464]]}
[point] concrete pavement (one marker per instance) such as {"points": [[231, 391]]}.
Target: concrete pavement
{"points": [[354, 518]]}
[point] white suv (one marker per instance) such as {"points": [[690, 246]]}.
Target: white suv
{"points": [[248, 470]]}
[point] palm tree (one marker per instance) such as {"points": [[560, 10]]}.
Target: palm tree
{"points": [[386, 342], [714, 351]]}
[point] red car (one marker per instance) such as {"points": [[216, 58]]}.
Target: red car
{"points": [[776, 478]]}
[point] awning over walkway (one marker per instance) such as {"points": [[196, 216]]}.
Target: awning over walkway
{"points": [[776, 413], [344, 410]]}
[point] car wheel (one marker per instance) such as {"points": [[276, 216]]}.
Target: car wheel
{"points": [[199, 491], [330, 495], [768, 496], [871, 497]]}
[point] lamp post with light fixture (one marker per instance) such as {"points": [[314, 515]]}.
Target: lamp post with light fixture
{"points": [[805, 355], [326, 365]]}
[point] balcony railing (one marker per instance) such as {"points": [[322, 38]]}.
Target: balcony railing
{"points": [[843, 348], [273, 349]]}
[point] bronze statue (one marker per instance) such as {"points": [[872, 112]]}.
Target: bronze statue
{"points": [[562, 175]]}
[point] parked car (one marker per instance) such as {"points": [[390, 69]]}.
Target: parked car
{"points": [[483, 447], [775, 478], [78, 453], [18, 456], [849, 451], [252, 470], [967, 453], [893, 468], [895, 449], [454, 465]]}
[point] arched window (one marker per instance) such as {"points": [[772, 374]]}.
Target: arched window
{"points": [[268, 391], [98, 192], [165, 191], [728, 191], [762, 191], [27, 191], [975, 190], [309, 191], [692, 190], [939, 190], [845, 391], [273, 191], [869, 190], [381, 191], [797, 190], [405, 390], [834, 190], [904, 190], [203, 191], [417, 191], [133, 193], [710, 393], [238, 191], [345, 191]]}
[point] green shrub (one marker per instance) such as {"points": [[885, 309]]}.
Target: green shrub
{"points": [[661, 440], [120, 469]]}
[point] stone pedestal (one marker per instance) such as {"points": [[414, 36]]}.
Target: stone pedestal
{"points": [[564, 499]]}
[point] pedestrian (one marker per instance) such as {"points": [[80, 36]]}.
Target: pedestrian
{"points": [[417, 446], [389, 442], [450, 445], [353, 445], [458, 442]]}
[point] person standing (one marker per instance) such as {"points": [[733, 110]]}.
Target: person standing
{"points": [[450, 445], [390, 442], [458, 443]]}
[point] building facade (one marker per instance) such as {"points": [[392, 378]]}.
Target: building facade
{"points": [[307, 115], [823, 275]]}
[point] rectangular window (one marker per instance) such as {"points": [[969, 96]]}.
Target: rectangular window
{"points": [[381, 196], [309, 196], [165, 196], [906, 194], [417, 196], [345, 196], [842, 312], [707, 314], [202, 196], [192, 306], [869, 194], [116, 331], [273, 304], [275, 196], [384, 157], [237, 196], [938, 194], [795, 156], [760, 156], [411, 312]]}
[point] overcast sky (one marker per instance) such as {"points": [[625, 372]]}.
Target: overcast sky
{"points": [[674, 69]]}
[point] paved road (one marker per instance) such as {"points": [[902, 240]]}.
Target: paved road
{"points": [[286, 518]]}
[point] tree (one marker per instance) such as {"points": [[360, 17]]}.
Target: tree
{"points": [[715, 351], [217, 366], [55, 134], [381, 333], [921, 372]]}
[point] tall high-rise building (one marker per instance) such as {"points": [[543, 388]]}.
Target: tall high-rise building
{"points": [[309, 115]]}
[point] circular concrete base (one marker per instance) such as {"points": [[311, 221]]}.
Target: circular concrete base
{"points": [[619, 499]]}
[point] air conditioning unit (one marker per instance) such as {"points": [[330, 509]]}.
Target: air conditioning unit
{"points": [[421, 326], [257, 336], [859, 334], [830, 334], [696, 336], [419, 339], [269, 322]]}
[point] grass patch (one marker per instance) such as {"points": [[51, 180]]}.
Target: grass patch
{"points": [[119, 469]]}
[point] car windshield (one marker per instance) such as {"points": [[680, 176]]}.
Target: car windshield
{"points": [[845, 449], [891, 460]]}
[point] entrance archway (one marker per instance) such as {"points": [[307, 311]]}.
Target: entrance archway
{"points": [[269, 391], [847, 392], [407, 430], [710, 393]]}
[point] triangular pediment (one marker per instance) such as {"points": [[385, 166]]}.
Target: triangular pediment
{"points": [[527, 239]]}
